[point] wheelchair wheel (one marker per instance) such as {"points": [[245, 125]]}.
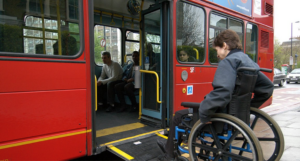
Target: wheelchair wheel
{"points": [[223, 140], [271, 139]]}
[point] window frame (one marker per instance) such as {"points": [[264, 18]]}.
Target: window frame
{"points": [[227, 16], [130, 40], [68, 11], [204, 35], [30, 55]]}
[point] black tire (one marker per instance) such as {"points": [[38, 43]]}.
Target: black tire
{"points": [[210, 149], [281, 83], [274, 142], [288, 82]]}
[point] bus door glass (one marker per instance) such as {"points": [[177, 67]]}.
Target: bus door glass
{"points": [[151, 62]]}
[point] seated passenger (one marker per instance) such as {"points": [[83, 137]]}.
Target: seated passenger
{"points": [[228, 47], [127, 84], [68, 45], [185, 57], [111, 74]]}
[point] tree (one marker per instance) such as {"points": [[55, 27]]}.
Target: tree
{"points": [[98, 36], [279, 56], [189, 27]]}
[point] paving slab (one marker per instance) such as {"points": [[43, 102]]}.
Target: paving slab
{"points": [[291, 154], [294, 125], [292, 141], [290, 132]]}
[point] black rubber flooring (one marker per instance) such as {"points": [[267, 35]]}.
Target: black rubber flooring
{"points": [[112, 119]]}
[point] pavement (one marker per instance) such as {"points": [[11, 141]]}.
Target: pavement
{"points": [[285, 110]]}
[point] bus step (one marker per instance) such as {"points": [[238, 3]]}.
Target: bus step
{"points": [[150, 121]]}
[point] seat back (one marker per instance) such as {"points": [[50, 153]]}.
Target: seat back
{"points": [[239, 105], [98, 70]]}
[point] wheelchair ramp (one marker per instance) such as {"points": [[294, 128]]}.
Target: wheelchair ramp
{"points": [[141, 148]]}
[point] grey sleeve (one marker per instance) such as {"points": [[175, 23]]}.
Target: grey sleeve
{"points": [[223, 84], [263, 90], [116, 74]]}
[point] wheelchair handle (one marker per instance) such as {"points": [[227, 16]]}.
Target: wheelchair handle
{"points": [[266, 70], [246, 68], [190, 104], [253, 69]]}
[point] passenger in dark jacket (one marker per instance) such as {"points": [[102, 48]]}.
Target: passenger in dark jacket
{"points": [[127, 84], [232, 57]]}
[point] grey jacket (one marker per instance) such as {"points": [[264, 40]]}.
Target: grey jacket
{"points": [[224, 83]]}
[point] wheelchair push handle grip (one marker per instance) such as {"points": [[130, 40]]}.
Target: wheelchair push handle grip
{"points": [[246, 69], [254, 69], [266, 70], [190, 104]]}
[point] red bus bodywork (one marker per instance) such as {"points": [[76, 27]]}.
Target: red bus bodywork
{"points": [[48, 114]]}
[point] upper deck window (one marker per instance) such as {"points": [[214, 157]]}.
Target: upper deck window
{"points": [[190, 33], [219, 23], [40, 27]]}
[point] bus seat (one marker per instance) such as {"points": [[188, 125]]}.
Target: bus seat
{"points": [[98, 70]]}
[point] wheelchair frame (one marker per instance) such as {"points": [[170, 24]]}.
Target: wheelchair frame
{"points": [[251, 143]]}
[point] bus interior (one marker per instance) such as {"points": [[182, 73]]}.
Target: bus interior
{"points": [[123, 30]]}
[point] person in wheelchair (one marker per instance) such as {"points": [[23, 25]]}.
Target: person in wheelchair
{"points": [[229, 51]]}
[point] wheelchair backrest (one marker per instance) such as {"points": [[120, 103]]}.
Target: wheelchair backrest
{"points": [[239, 105]]}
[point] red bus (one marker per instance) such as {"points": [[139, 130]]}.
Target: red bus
{"points": [[50, 61]]}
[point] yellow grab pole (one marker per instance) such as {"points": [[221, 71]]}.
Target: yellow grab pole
{"points": [[197, 53], [157, 83]]}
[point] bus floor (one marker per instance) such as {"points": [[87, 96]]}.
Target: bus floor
{"points": [[125, 131]]}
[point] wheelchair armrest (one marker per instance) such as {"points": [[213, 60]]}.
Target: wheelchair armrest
{"points": [[193, 105]]}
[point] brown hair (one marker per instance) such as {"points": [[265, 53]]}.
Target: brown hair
{"points": [[230, 37]]}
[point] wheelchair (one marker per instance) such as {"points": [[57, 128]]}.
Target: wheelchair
{"points": [[234, 132]]}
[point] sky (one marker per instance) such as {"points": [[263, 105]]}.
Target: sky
{"points": [[285, 13]]}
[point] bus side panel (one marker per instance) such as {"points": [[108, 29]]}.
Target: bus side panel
{"points": [[41, 76], [266, 56], [63, 148], [198, 77], [30, 114], [199, 92], [266, 51]]}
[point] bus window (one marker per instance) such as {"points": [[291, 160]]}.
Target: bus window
{"points": [[107, 39], [237, 26], [218, 24], [251, 42], [155, 41], [47, 28], [132, 43], [190, 33]]}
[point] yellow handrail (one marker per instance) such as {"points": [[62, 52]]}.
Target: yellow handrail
{"points": [[197, 53], [96, 103], [140, 90], [157, 83]]}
